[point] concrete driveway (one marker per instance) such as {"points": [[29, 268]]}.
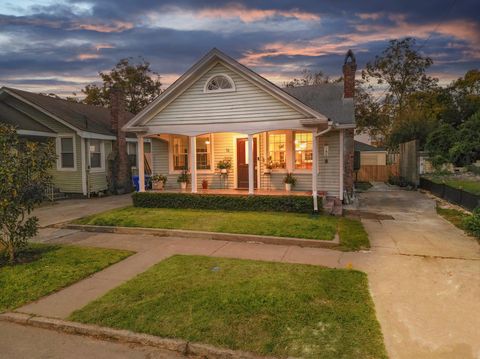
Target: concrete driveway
{"points": [[424, 277]]}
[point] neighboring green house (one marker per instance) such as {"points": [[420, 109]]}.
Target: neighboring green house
{"points": [[84, 137]]}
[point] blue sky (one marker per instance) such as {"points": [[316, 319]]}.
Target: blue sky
{"points": [[60, 46]]}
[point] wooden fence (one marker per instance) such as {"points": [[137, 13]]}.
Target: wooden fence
{"points": [[379, 173]]}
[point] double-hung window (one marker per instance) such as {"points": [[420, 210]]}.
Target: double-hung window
{"points": [[204, 152], [303, 150], [95, 154], [132, 153], [67, 153], [180, 152], [277, 145]]}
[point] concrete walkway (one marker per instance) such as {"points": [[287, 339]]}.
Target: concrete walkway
{"points": [[70, 209], [424, 274]]}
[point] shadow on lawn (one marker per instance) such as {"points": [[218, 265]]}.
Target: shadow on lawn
{"points": [[29, 254]]}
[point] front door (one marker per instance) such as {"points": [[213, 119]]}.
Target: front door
{"points": [[242, 162]]}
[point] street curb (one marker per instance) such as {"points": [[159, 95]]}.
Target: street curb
{"points": [[126, 336], [230, 237]]}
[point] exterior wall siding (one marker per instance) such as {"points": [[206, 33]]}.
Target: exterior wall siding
{"points": [[70, 181], [246, 103], [97, 181]]}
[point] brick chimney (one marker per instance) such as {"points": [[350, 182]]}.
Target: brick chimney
{"points": [[349, 69], [119, 171]]}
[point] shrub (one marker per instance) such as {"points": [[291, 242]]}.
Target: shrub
{"points": [[472, 223], [299, 204]]}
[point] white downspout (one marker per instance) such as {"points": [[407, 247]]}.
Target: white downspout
{"points": [[315, 164]]}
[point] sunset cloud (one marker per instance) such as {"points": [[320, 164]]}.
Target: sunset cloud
{"points": [[63, 44], [251, 14]]}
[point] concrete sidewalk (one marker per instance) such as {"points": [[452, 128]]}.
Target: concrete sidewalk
{"points": [[151, 250]]}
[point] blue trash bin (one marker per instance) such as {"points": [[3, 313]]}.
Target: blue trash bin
{"points": [[136, 182]]}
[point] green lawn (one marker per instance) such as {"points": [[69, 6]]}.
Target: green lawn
{"points": [[267, 308], [468, 186], [454, 216], [48, 268], [297, 225]]}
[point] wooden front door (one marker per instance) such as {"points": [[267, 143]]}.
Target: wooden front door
{"points": [[242, 165]]}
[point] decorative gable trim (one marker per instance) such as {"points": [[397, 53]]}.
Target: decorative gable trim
{"points": [[210, 60]]}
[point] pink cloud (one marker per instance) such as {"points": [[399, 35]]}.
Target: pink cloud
{"points": [[83, 57], [251, 15]]}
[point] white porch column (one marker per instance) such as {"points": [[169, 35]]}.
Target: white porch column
{"points": [[341, 164], [251, 164], [315, 170], [141, 163], [193, 162]]}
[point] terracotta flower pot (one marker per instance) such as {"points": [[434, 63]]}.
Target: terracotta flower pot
{"points": [[158, 186]]}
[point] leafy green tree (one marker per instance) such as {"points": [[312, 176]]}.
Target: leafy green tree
{"points": [[402, 71], [439, 143], [310, 78], [462, 98], [139, 83], [467, 148], [24, 170]]}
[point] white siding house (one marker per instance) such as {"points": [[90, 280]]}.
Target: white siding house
{"points": [[219, 110]]}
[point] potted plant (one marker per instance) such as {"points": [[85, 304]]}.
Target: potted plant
{"points": [[268, 166], [184, 179], [204, 184], [158, 182], [224, 165], [289, 181]]}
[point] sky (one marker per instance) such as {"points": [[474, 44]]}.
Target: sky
{"points": [[59, 46]]}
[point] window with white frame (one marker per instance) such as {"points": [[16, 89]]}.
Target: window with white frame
{"points": [[132, 153], [67, 153], [303, 150], [95, 151], [204, 152], [180, 152], [277, 145], [219, 83]]}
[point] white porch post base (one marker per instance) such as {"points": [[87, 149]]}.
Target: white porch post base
{"points": [[315, 170], [141, 164], [251, 164], [193, 163]]}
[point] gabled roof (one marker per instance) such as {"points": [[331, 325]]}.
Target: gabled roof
{"points": [[12, 117], [363, 147], [215, 55], [327, 99], [94, 119]]}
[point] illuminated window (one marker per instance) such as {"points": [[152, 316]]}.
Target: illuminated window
{"points": [[180, 152], [277, 144], [204, 152], [303, 150]]}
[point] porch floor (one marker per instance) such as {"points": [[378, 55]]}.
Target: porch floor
{"points": [[239, 192]]}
